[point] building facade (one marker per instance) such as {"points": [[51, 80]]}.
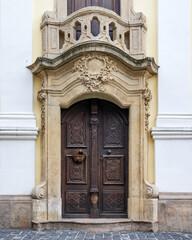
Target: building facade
{"points": [[96, 114]]}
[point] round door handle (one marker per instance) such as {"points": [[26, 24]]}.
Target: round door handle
{"points": [[109, 151], [79, 155]]}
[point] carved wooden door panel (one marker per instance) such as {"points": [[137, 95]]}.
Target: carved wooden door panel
{"points": [[75, 160], [114, 162], [94, 160]]}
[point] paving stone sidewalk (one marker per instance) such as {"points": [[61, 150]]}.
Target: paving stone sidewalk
{"points": [[78, 235]]}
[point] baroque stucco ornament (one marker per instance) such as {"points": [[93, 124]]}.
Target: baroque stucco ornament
{"points": [[95, 71], [41, 96], [151, 190], [147, 97], [39, 191]]}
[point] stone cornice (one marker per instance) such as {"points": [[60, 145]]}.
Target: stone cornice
{"points": [[147, 64], [175, 196], [18, 133], [171, 133]]}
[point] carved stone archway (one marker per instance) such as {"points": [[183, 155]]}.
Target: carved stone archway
{"points": [[94, 67], [70, 78]]}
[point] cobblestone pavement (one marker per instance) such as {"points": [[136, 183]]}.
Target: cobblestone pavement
{"points": [[78, 235]]}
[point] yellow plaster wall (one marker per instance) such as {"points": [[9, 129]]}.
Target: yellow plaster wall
{"points": [[39, 7], [149, 8]]}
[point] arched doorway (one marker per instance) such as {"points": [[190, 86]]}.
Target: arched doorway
{"points": [[94, 160], [120, 79]]}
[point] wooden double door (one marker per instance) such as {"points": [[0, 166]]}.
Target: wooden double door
{"points": [[94, 165]]}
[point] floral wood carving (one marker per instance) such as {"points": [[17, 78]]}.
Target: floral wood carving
{"points": [[41, 96], [95, 71], [147, 97], [39, 191], [151, 190]]}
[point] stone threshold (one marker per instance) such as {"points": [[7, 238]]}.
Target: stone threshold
{"points": [[96, 225]]}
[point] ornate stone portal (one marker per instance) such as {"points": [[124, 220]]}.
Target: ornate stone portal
{"points": [[94, 67]]}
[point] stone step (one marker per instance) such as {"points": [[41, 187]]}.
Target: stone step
{"points": [[96, 225]]}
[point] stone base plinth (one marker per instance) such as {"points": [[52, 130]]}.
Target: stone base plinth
{"points": [[15, 211], [96, 225], [175, 212]]}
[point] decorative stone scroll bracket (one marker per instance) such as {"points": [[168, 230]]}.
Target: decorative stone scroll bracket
{"points": [[39, 191], [151, 190], [95, 71]]}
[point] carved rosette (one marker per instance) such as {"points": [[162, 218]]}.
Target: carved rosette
{"points": [[41, 96], [39, 191], [147, 97], [151, 190], [95, 71]]}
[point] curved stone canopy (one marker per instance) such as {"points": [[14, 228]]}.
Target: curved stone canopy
{"points": [[147, 63]]}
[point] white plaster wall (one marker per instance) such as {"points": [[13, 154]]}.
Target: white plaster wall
{"points": [[17, 166], [174, 165], [15, 54], [174, 56], [17, 122], [173, 132]]}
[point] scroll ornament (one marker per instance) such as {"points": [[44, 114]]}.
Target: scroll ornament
{"points": [[39, 191], [151, 190], [94, 81]]}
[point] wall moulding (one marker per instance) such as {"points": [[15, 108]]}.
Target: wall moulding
{"points": [[18, 133], [175, 196], [171, 133], [18, 126], [174, 120]]}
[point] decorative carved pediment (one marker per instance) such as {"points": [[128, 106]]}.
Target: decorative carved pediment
{"points": [[95, 71], [91, 70]]}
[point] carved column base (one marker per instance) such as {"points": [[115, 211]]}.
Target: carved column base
{"points": [[39, 210], [134, 209], [54, 209], [143, 209], [150, 209], [44, 209]]}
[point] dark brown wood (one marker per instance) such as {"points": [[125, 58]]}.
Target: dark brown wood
{"points": [[75, 179], [114, 159], [94, 123], [94, 160], [74, 5]]}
